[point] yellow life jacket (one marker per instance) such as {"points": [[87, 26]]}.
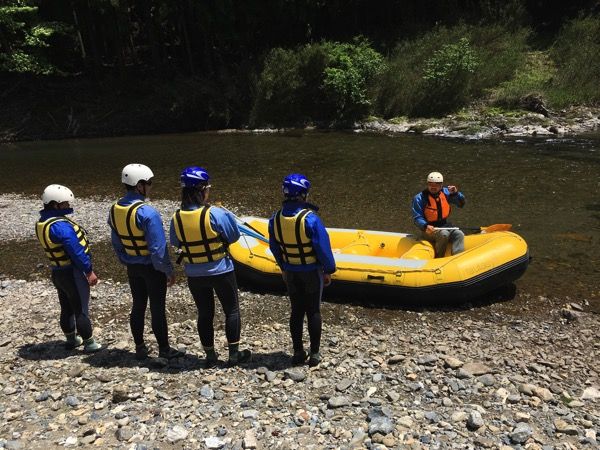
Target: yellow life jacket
{"points": [[198, 242], [290, 233], [54, 251], [132, 237]]}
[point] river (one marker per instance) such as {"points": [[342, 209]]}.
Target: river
{"points": [[547, 188]]}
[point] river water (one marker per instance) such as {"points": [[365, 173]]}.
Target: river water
{"points": [[548, 189]]}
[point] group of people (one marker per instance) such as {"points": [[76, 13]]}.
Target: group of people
{"points": [[202, 233]]}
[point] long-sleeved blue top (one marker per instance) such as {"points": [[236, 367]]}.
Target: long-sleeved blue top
{"points": [[147, 219], [315, 230], [62, 232], [223, 223], [420, 201]]}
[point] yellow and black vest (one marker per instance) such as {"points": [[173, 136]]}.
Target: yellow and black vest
{"points": [[198, 242], [290, 233], [132, 237], [56, 252]]}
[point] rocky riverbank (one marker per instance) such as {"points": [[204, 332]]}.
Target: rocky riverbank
{"points": [[477, 122], [517, 374], [488, 123], [389, 379]]}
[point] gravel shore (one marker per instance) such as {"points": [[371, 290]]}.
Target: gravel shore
{"points": [[470, 378]]}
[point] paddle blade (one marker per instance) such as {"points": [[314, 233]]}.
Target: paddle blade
{"points": [[247, 231], [497, 227]]}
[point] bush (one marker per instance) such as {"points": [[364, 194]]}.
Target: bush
{"points": [[576, 53], [447, 68], [447, 77], [28, 44], [324, 83], [533, 79]]}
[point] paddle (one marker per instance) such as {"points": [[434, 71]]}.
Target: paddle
{"points": [[251, 233], [220, 205], [488, 229]]}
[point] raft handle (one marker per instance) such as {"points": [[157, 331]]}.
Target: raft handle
{"points": [[375, 277]]}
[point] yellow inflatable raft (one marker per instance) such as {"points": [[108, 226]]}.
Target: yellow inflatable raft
{"points": [[397, 265]]}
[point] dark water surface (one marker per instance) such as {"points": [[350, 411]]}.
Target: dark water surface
{"points": [[548, 189]]}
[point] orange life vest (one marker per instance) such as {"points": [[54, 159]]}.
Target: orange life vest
{"points": [[437, 209]]}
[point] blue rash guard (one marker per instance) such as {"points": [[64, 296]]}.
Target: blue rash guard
{"points": [[315, 230], [420, 201], [62, 232], [223, 223], [147, 219]]}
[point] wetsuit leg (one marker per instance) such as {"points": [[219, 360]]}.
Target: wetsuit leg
{"points": [[313, 316], [225, 286], [74, 300], [304, 289], [67, 317], [202, 292], [156, 283], [139, 293]]}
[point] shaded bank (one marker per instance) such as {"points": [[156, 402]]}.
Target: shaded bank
{"points": [[78, 108]]}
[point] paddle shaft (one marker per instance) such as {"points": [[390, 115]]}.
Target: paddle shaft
{"points": [[242, 222], [489, 228], [251, 233]]}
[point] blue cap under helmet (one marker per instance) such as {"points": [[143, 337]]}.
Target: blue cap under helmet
{"points": [[194, 176], [295, 184]]}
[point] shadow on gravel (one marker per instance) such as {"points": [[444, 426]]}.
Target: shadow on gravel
{"points": [[46, 351], [272, 361], [500, 295], [110, 357]]}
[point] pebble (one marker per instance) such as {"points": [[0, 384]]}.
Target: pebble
{"points": [[343, 385], [338, 402], [474, 421], [178, 433], [521, 433], [296, 375]]}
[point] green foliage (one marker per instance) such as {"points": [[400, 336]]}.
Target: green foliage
{"points": [[350, 69], [533, 78], [326, 82], [446, 68], [21, 62], [26, 41], [447, 76], [451, 63], [576, 53]]}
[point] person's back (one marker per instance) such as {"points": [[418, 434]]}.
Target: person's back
{"points": [[202, 233], [66, 246], [300, 244], [138, 239]]}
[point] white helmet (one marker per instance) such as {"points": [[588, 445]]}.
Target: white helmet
{"points": [[57, 193], [134, 173], [435, 177]]}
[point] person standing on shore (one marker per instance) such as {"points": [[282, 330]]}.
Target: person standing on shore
{"points": [[203, 232], [66, 246], [431, 209], [300, 244], [139, 241]]}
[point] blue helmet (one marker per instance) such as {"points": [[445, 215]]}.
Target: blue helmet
{"points": [[194, 176], [295, 184]]}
